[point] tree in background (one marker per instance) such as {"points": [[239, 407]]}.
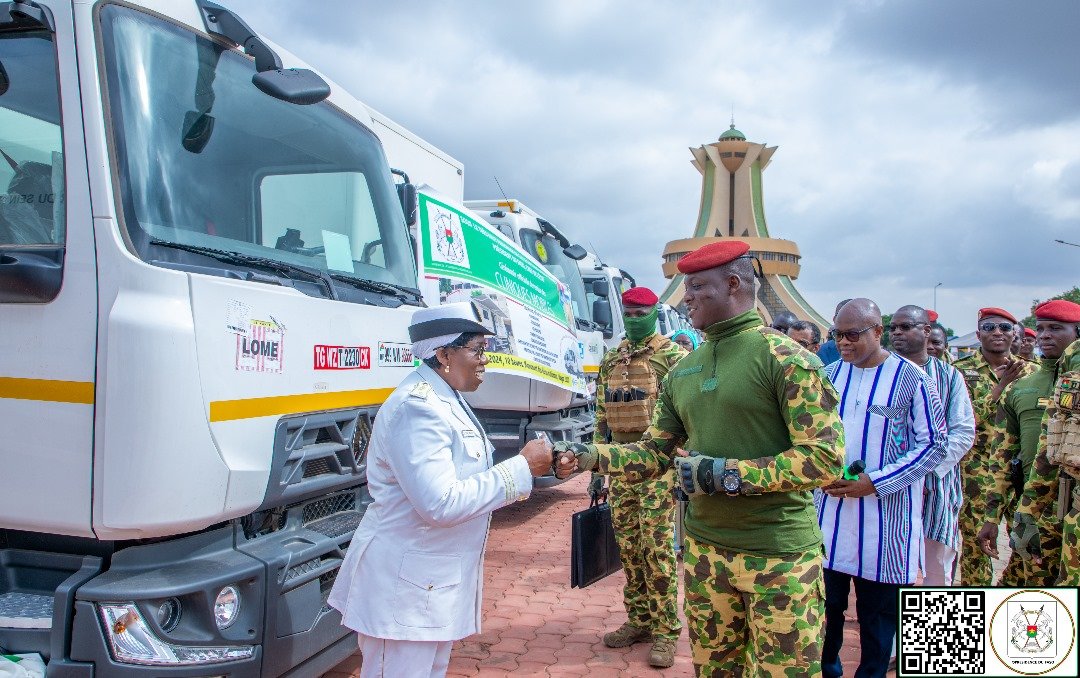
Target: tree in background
{"points": [[1072, 295]]}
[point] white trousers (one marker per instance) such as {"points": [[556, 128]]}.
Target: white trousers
{"points": [[403, 658], [940, 561]]}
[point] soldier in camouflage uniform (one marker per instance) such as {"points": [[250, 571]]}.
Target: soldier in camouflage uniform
{"points": [[1057, 462], [755, 402], [1019, 432], [643, 513], [986, 372]]}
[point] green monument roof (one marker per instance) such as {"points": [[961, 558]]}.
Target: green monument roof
{"points": [[733, 133]]}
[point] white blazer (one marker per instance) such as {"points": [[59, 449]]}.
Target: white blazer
{"points": [[415, 566]]}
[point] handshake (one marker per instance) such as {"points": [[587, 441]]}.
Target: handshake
{"points": [[697, 474]]}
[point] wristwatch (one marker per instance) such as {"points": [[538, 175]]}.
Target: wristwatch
{"points": [[730, 480]]}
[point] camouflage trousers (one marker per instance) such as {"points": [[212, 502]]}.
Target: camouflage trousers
{"points": [[752, 616], [643, 515], [976, 568], [1019, 572], [1070, 549]]}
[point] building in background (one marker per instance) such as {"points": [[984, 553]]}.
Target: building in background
{"points": [[732, 206]]}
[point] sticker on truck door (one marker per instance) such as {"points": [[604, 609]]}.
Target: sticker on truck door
{"points": [[261, 348]]}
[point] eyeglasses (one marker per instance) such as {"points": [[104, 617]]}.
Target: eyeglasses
{"points": [[990, 327], [850, 335], [904, 327], [804, 343], [477, 352]]}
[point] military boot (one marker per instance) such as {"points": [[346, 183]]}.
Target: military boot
{"points": [[662, 654], [626, 635]]}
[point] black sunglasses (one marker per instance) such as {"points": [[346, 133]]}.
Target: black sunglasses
{"points": [[989, 327], [850, 335], [904, 327]]}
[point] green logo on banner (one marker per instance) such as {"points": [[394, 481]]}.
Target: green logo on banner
{"points": [[460, 247]]}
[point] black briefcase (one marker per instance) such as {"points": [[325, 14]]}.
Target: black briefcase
{"points": [[594, 553]]}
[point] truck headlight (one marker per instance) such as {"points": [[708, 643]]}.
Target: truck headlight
{"points": [[226, 607], [132, 641]]}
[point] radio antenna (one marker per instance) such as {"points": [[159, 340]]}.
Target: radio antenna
{"points": [[500, 188]]}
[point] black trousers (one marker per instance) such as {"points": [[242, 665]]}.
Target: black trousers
{"points": [[875, 605]]}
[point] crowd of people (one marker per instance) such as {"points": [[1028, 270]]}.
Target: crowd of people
{"points": [[805, 468]]}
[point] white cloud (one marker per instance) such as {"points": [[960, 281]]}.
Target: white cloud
{"points": [[895, 169]]}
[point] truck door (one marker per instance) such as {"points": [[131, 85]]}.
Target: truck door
{"points": [[48, 288]]}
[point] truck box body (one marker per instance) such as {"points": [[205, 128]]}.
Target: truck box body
{"points": [[199, 323]]}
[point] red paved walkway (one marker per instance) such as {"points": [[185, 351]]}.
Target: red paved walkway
{"points": [[534, 624]]}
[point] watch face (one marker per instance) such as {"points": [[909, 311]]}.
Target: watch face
{"points": [[731, 481]]}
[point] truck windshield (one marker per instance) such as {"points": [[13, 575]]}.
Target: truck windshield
{"points": [[31, 159], [549, 253], [206, 161]]}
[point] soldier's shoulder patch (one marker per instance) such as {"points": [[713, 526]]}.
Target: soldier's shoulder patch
{"points": [[686, 371], [420, 389], [971, 374]]}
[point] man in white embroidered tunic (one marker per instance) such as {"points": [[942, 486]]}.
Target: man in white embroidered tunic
{"points": [[872, 526], [909, 332]]}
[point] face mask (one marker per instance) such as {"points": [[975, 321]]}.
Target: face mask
{"points": [[640, 328]]}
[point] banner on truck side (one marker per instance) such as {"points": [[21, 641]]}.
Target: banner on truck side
{"points": [[526, 307]]}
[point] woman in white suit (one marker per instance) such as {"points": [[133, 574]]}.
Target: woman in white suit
{"points": [[411, 582]]}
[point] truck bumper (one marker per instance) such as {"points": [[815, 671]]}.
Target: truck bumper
{"points": [[283, 574]]}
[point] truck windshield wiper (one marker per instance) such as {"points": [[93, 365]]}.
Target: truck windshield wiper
{"points": [[275, 265], [405, 294]]}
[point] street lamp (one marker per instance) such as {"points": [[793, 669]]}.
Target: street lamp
{"points": [[935, 294], [1066, 243]]}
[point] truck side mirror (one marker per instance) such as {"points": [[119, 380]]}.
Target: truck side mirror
{"points": [[407, 196], [600, 288], [601, 313], [294, 85], [32, 275], [575, 252]]}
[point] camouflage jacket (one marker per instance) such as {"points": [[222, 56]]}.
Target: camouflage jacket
{"points": [[752, 394], [981, 379], [1041, 486], [1015, 433]]}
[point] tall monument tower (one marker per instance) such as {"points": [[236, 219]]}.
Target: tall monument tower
{"points": [[732, 207]]}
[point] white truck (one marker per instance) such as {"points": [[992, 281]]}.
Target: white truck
{"points": [[543, 242], [205, 287], [604, 286], [536, 373]]}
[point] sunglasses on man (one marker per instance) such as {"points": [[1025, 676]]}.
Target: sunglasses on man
{"points": [[989, 327], [904, 327], [851, 335]]}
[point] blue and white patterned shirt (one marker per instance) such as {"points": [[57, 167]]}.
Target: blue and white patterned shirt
{"points": [[944, 491], [894, 421]]}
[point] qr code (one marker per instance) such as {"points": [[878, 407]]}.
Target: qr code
{"points": [[942, 633]]}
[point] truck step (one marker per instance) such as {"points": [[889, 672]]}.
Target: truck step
{"points": [[26, 610]]}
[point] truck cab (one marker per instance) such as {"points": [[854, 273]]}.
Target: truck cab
{"points": [[604, 286], [205, 287]]}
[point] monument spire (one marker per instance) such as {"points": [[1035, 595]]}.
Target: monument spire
{"points": [[733, 206]]}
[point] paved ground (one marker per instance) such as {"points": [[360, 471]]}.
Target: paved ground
{"points": [[534, 624]]}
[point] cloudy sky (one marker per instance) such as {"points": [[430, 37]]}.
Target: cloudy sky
{"points": [[919, 141]]}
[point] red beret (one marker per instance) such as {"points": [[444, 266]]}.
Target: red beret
{"points": [[932, 315], [1028, 332], [639, 296], [712, 255], [1058, 309], [992, 310]]}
